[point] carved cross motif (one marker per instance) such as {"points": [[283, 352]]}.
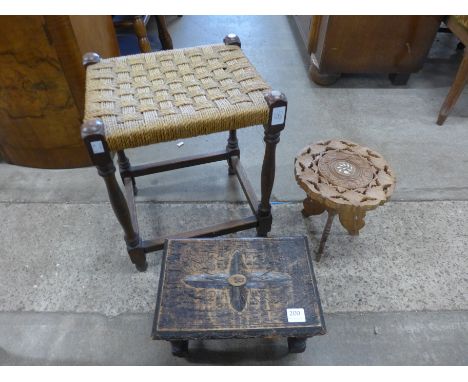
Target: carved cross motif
{"points": [[239, 280]]}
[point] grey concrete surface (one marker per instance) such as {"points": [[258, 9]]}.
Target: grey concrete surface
{"points": [[410, 256], [403, 338], [69, 294]]}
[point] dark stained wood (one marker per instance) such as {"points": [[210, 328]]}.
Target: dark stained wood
{"points": [[164, 36], [369, 44], [210, 231], [93, 136], [233, 144], [42, 89], [174, 164], [124, 165], [276, 102], [237, 288], [245, 184]]}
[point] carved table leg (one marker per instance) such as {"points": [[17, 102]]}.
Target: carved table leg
{"points": [[179, 348], [297, 344], [233, 144], [311, 207], [277, 103], [353, 220], [326, 232], [124, 164]]}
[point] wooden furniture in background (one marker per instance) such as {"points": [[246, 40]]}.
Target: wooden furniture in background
{"points": [[237, 288], [342, 178], [396, 45], [459, 27], [138, 23], [42, 86]]}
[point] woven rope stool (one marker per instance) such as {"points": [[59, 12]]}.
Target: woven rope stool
{"points": [[138, 100], [342, 178]]}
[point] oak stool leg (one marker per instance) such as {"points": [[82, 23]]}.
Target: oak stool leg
{"points": [[326, 232], [277, 104], [92, 132], [124, 165], [179, 348], [233, 144], [297, 344]]}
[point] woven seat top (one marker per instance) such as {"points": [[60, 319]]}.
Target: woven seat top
{"points": [[155, 97]]}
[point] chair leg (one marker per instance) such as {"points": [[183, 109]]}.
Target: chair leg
{"points": [[458, 85], [124, 164], [277, 103], [93, 136], [233, 144], [141, 33], [164, 36]]}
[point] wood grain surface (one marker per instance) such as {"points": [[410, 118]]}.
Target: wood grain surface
{"points": [[42, 87], [236, 288]]}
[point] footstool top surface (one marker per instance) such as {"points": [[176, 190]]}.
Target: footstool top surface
{"points": [[342, 174], [162, 96], [237, 288]]}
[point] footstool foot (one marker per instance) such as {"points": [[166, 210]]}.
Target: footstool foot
{"points": [[179, 348], [297, 344], [142, 267]]}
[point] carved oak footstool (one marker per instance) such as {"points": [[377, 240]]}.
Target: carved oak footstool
{"points": [[237, 288], [343, 178]]}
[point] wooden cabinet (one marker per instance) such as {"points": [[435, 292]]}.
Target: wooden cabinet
{"points": [[42, 86], [395, 45]]}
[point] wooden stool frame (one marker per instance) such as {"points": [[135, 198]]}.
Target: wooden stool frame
{"points": [[93, 135]]}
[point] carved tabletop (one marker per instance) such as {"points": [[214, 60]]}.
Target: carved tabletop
{"points": [[237, 288], [344, 178]]}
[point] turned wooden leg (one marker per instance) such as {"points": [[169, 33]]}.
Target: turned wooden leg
{"points": [[277, 103], [233, 144], [297, 344], [311, 207], [140, 31], [399, 79], [164, 36], [458, 85], [179, 348], [124, 165], [326, 232], [92, 132]]}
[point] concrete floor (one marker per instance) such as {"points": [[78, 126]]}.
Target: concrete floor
{"points": [[397, 294]]}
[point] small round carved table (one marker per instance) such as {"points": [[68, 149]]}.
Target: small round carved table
{"points": [[342, 178]]}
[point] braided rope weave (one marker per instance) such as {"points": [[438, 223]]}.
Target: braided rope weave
{"points": [[155, 97]]}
